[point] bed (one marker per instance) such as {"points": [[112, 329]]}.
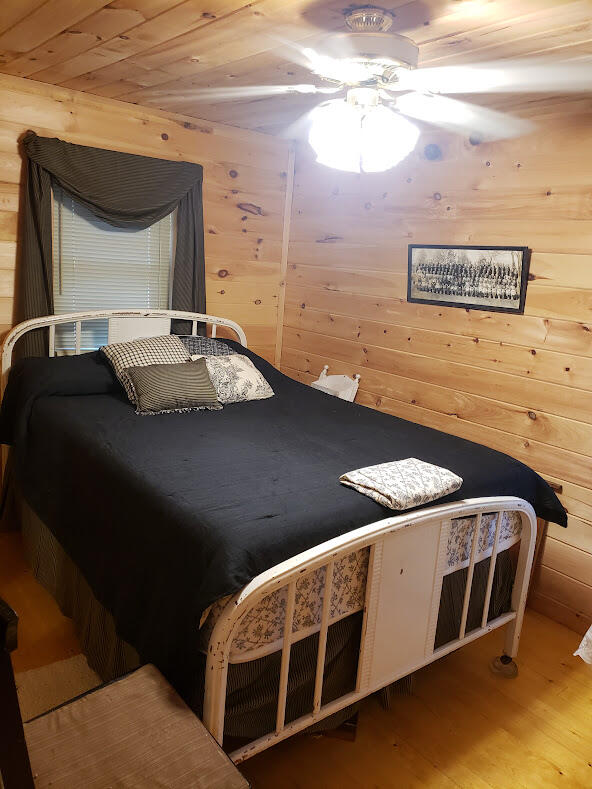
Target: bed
{"points": [[226, 535]]}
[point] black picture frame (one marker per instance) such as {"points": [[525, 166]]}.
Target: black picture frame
{"points": [[477, 303]]}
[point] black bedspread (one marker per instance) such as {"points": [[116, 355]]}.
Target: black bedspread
{"points": [[190, 507]]}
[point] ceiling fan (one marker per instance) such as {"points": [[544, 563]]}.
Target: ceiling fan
{"points": [[376, 85]]}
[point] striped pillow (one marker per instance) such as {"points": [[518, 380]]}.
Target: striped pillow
{"points": [[167, 388], [167, 348]]}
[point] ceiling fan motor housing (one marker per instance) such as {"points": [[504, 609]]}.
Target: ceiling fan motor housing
{"points": [[389, 49]]}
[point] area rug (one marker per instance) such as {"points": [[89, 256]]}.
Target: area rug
{"points": [[42, 689]]}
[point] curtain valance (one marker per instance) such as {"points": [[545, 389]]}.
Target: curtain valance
{"points": [[124, 190]]}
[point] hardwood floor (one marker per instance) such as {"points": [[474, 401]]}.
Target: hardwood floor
{"points": [[462, 726], [44, 635]]}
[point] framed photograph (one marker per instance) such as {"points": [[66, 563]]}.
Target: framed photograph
{"points": [[477, 278]]}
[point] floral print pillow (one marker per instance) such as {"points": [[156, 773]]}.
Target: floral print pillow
{"points": [[236, 379]]}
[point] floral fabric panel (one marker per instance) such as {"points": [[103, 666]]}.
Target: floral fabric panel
{"points": [[402, 484], [236, 379], [264, 625], [461, 538], [261, 629]]}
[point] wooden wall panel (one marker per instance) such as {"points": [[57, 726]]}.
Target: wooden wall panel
{"points": [[245, 181], [521, 384]]}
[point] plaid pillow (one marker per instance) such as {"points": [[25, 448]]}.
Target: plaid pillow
{"points": [[170, 388], [139, 353], [205, 346]]}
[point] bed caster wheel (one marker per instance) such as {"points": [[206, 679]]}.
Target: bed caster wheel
{"points": [[504, 666]]}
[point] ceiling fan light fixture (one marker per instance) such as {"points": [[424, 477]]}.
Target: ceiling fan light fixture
{"points": [[356, 138], [335, 135], [363, 97], [387, 139]]}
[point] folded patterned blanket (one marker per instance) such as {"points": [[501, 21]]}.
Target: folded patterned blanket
{"points": [[402, 484]]}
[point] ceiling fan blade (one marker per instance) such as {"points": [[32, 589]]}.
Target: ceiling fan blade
{"points": [[502, 76], [298, 129], [238, 92], [460, 116], [339, 66]]}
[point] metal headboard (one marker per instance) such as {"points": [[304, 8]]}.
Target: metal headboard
{"points": [[79, 318]]}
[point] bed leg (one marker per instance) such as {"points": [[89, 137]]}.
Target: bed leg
{"points": [[541, 536], [505, 666]]}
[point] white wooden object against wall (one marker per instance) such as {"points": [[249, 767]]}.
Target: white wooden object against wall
{"points": [[407, 561], [338, 385]]}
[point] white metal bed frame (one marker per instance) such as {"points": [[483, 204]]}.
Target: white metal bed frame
{"points": [[138, 318], [407, 561]]}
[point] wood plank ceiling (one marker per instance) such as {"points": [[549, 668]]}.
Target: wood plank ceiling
{"points": [[162, 53]]}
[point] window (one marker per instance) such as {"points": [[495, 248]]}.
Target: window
{"points": [[98, 266]]}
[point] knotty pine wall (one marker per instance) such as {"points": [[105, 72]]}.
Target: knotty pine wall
{"points": [[521, 384], [245, 179]]}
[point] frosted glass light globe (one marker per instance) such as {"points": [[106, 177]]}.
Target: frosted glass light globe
{"points": [[360, 139]]}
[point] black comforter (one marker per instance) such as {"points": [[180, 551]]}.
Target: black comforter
{"points": [[189, 507]]}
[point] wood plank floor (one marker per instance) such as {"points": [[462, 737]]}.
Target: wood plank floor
{"points": [[44, 635], [462, 726]]}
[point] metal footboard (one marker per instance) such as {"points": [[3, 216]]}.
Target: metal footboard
{"points": [[407, 561]]}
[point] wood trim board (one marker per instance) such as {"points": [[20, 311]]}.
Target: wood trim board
{"points": [[284, 260]]}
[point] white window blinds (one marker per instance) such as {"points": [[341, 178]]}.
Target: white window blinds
{"points": [[98, 266]]}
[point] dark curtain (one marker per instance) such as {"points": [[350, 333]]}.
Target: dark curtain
{"points": [[124, 190]]}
